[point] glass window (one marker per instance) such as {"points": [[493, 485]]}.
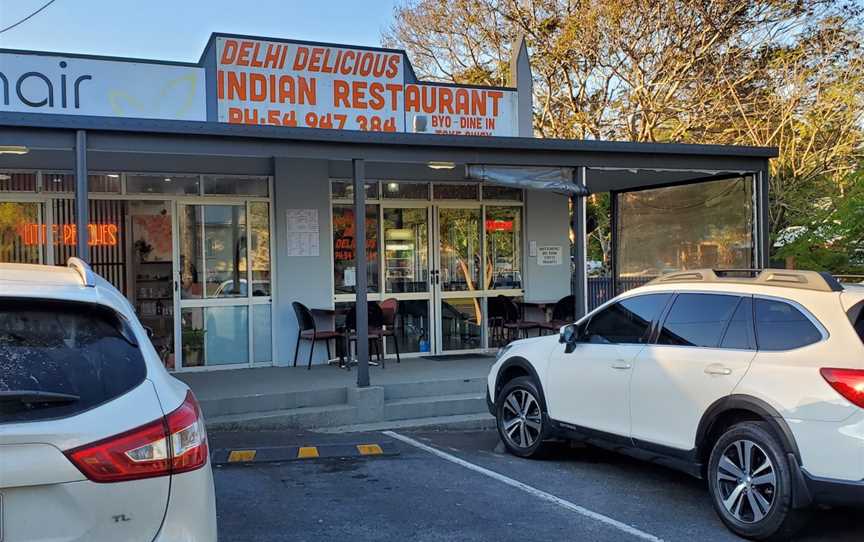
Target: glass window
{"points": [[780, 326], [83, 351], [504, 247], [395, 190], [212, 251], [11, 181], [162, 184], [459, 237], [107, 183], [697, 320], [406, 250], [739, 334], [503, 193], [454, 191], [344, 244], [58, 182], [345, 190], [262, 333], [21, 235], [628, 321], [259, 249], [703, 225], [461, 319], [215, 335], [236, 186]]}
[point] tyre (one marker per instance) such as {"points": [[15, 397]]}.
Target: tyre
{"points": [[750, 482], [522, 423]]}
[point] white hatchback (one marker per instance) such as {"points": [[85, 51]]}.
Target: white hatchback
{"points": [[753, 381], [97, 441]]}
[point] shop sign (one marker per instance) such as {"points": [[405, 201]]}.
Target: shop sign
{"points": [[99, 235], [499, 225], [292, 84], [35, 83]]}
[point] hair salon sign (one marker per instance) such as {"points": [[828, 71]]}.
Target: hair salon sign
{"points": [[32, 83]]}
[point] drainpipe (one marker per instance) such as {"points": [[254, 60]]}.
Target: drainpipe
{"points": [[361, 303], [82, 211]]}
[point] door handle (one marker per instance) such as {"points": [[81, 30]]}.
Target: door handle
{"points": [[620, 364], [717, 369]]}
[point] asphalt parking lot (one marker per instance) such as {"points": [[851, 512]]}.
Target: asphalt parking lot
{"points": [[461, 487]]}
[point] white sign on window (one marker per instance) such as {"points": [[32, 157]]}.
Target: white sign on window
{"points": [[303, 231], [549, 255]]}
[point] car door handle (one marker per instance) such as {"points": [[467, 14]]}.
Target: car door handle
{"points": [[717, 369], [620, 364]]}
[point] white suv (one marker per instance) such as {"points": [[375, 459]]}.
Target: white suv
{"points": [[97, 441], [753, 381]]}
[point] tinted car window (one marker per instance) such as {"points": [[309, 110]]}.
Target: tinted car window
{"points": [[61, 358], [739, 334], [628, 321], [780, 326], [697, 319]]}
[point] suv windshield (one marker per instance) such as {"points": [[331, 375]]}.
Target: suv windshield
{"points": [[61, 358]]}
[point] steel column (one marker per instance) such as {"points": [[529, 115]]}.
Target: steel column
{"points": [[580, 255], [361, 304], [762, 236], [82, 210]]}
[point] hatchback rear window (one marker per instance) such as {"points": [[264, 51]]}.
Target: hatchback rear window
{"points": [[61, 358]]}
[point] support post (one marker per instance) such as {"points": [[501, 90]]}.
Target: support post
{"points": [[761, 237], [580, 278], [614, 217], [361, 302], [82, 211]]}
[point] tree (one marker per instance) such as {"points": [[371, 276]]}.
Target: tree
{"points": [[784, 73]]}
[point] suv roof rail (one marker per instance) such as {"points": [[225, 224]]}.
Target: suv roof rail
{"points": [[84, 271], [787, 278]]}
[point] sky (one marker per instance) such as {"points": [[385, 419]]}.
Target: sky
{"points": [[178, 29]]}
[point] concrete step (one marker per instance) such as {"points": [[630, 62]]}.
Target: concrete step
{"points": [[434, 406], [301, 418], [265, 402], [434, 388], [460, 422]]}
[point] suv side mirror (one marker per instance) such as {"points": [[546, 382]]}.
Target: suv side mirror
{"points": [[568, 334], [149, 331]]}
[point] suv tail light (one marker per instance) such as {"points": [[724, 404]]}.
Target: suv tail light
{"points": [[848, 382], [170, 445]]}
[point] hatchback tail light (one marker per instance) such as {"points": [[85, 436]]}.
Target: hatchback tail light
{"points": [[170, 445], [848, 382]]}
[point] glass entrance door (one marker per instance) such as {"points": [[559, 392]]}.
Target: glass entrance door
{"points": [[223, 272], [457, 277]]}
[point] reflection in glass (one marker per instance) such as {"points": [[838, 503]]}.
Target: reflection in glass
{"points": [[11, 181], [262, 333], [191, 254], [503, 247], [455, 191], [237, 186], [406, 252], [410, 326], [192, 336], [459, 231], [345, 190], [460, 323], [345, 275], [225, 250], [502, 193], [162, 184], [694, 226], [21, 236], [259, 248], [397, 190], [215, 336], [59, 182]]}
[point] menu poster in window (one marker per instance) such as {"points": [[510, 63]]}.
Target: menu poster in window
{"points": [[549, 255], [303, 230]]}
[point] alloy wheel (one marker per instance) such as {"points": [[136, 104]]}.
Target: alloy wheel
{"points": [[521, 418], [747, 481]]}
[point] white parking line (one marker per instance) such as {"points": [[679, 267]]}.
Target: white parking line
{"points": [[540, 494]]}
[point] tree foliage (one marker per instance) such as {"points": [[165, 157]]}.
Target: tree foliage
{"points": [[780, 73]]}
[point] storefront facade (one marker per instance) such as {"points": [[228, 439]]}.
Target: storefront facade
{"points": [[224, 193]]}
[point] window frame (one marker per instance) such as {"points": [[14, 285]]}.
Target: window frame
{"points": [[823, 331]]}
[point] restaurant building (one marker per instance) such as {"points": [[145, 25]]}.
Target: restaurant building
{"points": [[215, 194]]}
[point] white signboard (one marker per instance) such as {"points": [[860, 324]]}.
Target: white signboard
{"points": [[303, 231], [549, 255], [290, 84], [31, 83]]}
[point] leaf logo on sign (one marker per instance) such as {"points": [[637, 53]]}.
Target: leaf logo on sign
{"points": [[176, 91]]}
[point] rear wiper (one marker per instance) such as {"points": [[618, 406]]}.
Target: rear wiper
{"points": [[37, 396]]}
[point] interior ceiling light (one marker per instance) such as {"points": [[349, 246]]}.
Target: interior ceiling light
{"points": [[440, 165], [113, 176], [392, 187], [57, 179], [13, 149], [167, 179], [5, 177]]}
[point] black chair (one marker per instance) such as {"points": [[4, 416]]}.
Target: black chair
{"points": [[563, 313], [374, 323], [389, 309], [513, 322], [308, 331]]}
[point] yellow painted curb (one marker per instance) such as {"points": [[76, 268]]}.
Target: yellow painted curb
{"points": [[369, 449], [307, 452], [237, 456]]}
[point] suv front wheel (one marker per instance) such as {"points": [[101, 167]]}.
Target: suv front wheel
{"points": [[520, 417], [751, 485]]}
